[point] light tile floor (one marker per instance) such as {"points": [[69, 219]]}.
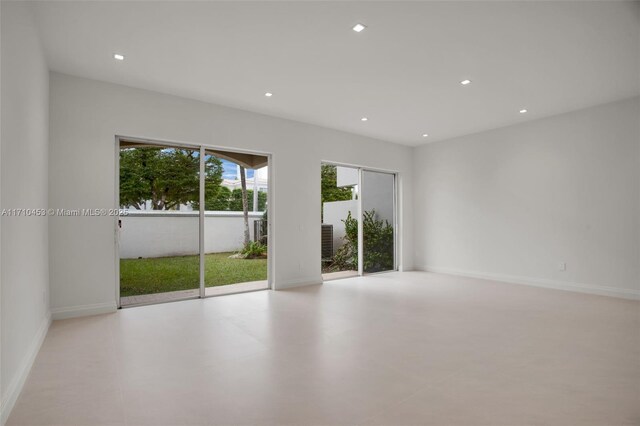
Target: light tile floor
{"points": [[390, 349]]}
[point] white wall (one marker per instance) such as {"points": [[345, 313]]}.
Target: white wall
{"points": [[24, 275], [159, 233], [514, 202], [346, 176], [85, 117]]}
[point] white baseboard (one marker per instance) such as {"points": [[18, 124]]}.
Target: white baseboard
{"points": [[624, 293], [16, 385], [84, 310], [300, 282]]}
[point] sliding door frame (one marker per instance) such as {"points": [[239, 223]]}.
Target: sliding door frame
{"points": [[396, 214], [201, 212]]}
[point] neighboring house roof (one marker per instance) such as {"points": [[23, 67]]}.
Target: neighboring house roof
{"points": [[232, 184]]}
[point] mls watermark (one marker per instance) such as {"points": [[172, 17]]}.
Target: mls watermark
{"points": [[62, 212]]}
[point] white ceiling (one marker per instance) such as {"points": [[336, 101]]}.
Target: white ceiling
{"points": [[402, 72]]}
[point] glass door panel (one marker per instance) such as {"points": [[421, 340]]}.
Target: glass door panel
{"points": [[235, 222], [159, 225], [378, 221]]}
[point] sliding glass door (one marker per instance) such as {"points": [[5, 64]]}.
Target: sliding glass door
{"points": [[358, 221], [193, 222]]}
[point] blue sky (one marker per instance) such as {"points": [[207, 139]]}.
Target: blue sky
{"points": [[229, 170]]}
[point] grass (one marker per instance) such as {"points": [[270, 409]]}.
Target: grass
{"points": [[162, 274]]}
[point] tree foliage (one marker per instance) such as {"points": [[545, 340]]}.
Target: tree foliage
{"points": [[235, 202], [219, 201], [212, 180], [165, 177], [168, 177], [329, 189]]}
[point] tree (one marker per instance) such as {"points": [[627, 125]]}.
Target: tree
{"points": [[329, 185], [262, 201], [221, 201], [212, 180], [165, 177], [235, 200], [245, 206]]}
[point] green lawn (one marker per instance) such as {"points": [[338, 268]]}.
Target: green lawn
{"points": [[161, 274]]}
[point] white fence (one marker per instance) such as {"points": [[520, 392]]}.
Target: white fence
{"points": [[174, 233]]}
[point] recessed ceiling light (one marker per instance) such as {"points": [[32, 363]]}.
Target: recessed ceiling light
{"points": [[359, 27], [268, 94], [118, 57], [364, 119], [522, 111], [465, 82], [424, 135]]}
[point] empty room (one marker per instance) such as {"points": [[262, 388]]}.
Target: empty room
{"points": [[320, 213]]}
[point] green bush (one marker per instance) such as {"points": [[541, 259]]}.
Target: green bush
{"points": [[346, 257], [235, 200], [254, 250], [378, 244]]}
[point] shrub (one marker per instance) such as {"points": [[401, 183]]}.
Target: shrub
{"points": [[346, 256], [254, 250], [378, 244]]}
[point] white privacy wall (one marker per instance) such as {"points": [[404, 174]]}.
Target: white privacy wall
{"points": [[514, 203], [85, 117], [161, 233], [24, 276]]}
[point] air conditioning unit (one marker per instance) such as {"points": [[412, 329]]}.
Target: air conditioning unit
{"points": [[327, 241]]}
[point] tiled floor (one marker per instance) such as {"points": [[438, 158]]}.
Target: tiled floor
{"points": [[392, 349]]}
